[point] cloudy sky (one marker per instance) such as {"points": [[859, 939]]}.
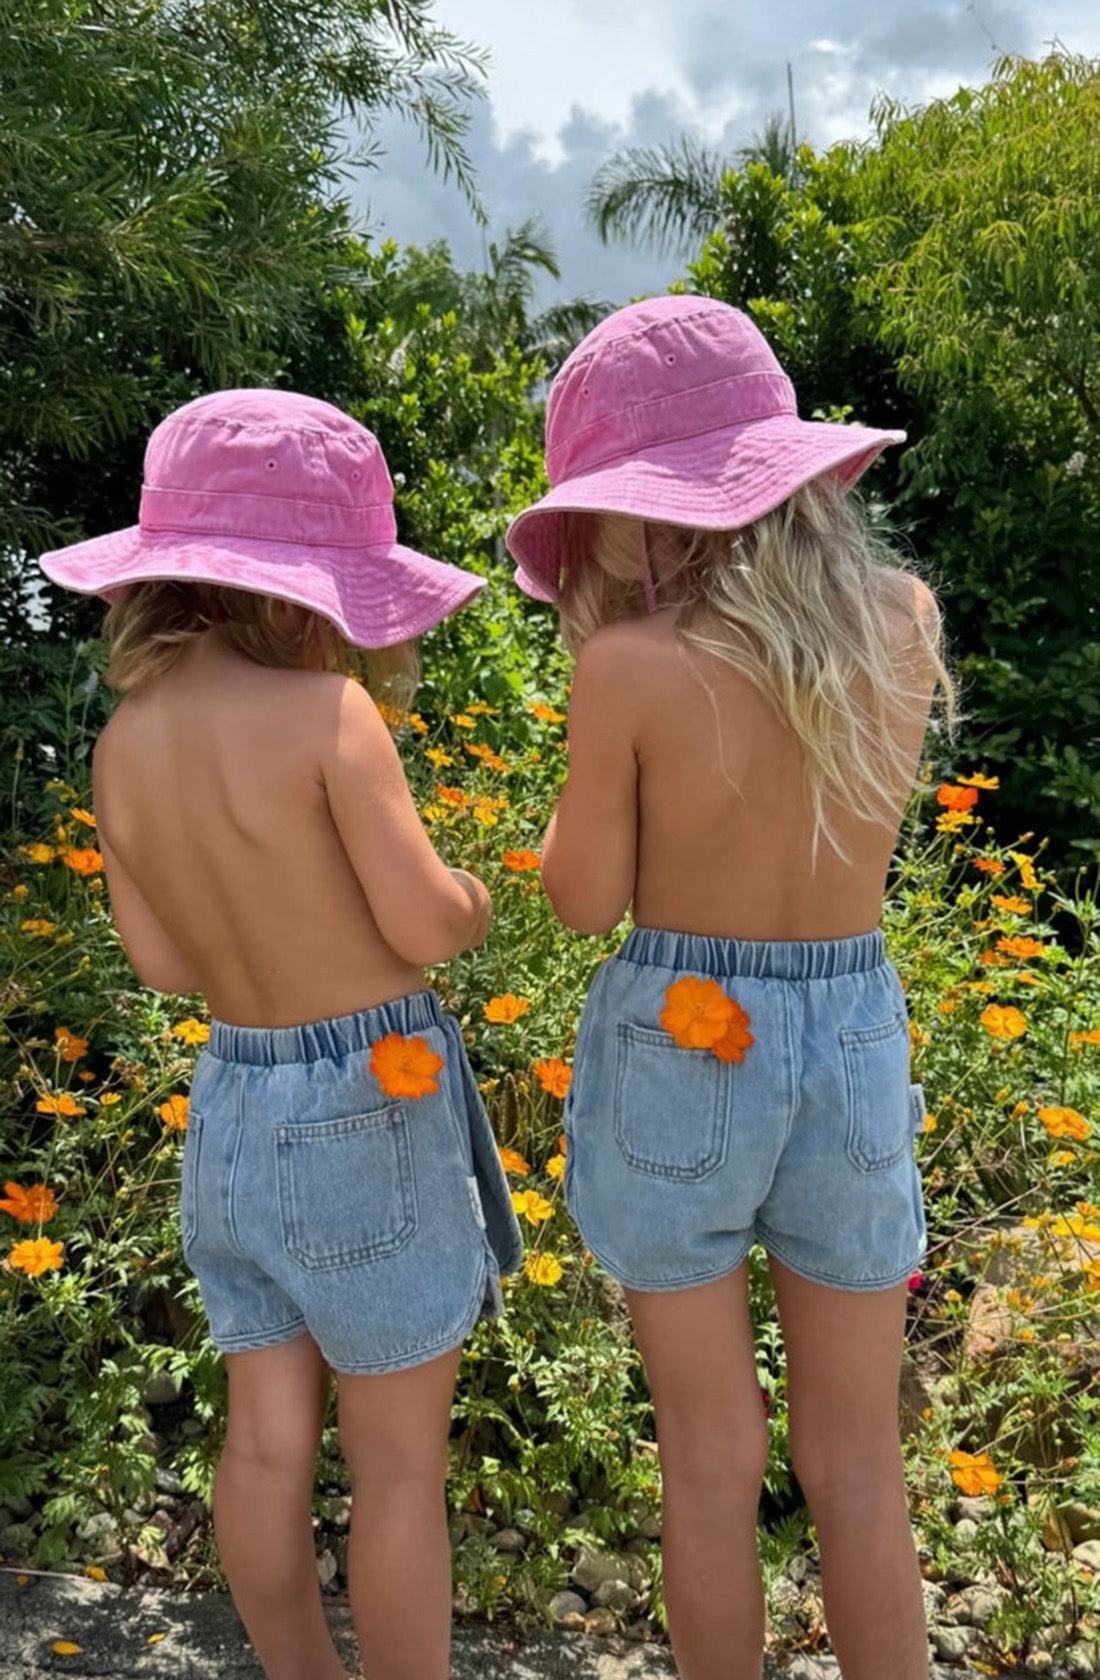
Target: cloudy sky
{"points": [[570, 81]]}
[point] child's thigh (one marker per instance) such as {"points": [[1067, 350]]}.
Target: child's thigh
{"points": [[395, 1425]]}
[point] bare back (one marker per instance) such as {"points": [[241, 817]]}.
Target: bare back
{"points": [[724, 824], [255, 823]]}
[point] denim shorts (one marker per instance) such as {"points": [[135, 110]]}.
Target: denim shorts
{"points": [[678, 1161], [312, 1201]]}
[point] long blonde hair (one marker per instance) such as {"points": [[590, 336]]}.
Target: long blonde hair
{"points": [[793, 603], [150, 623]]}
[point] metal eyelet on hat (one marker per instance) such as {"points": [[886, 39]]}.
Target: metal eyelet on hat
{"points": [[271, 465]]}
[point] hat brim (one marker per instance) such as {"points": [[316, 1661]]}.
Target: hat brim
{"points": [[376, 597], [718, 481]]}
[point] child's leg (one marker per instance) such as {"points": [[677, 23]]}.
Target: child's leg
{"points": [[394, 1430], [712, 1433], [262, 1497], [843, 1364]]}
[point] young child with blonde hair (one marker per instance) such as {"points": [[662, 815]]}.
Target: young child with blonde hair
{"points": [[344, 1208], [754, 676]]}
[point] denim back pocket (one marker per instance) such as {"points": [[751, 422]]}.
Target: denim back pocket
{"points": [[346, 1188], [880, 1110], [672, 1106], [189, 1197]]}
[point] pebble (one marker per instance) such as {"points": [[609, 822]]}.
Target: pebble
{"points": [[1040, 1662], [326, 1569], [1088, 1552], [168, 1482], [615, 1595], [593, 1568], [336, 1510], [600, 1620], [565, 1604], [509, 1540], [1081, 1662], [950, 1643], [965, 1529], [100, 1530], [979, 1605], [1083, 1521], [162, 1388]]}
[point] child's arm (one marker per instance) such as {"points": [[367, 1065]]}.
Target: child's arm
{"points": [[589, 854], [153, 953], [425, 911]]}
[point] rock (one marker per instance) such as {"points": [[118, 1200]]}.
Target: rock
{"points": [[168, 1482], [19, 1506], [950, 1643], [340, 1547], [162, 1388], [593, 1568], [573, 1623], [933, 1597], [1083, 1522], [803, 1667], [615, 1595], [509, 1540], [559, 1503], [974, 1506], [100, 1532], [601, 1621], [17, 1542], [965, 1529], [524, 1520], [798, 1567], [192, 1428], [336, 1511], [979, 1605], [1081, 1662], [649, 1528], [1088, 1553], [1039, 1662], [326, 1569], [913, 1398], [565, 1604]]}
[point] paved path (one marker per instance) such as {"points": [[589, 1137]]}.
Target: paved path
{"points": [[202, 1640]]}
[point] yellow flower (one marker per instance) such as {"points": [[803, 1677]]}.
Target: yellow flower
{"points": [[512, 1161], [950, 822], [531, 1206], [1063, 1158], [1028, 877], [85, 817], [555, 1167], [59, 1103], [33, 1205], [977, 781], [174, 1112], [19, 891], [481, 709], [37, 928], [545, 713], [191, 1031], [1003, 1022], [481, 750], [38, 853], [485, 814], [109, 1099], [405, 1067], [69, 1047], [974, 1473], [543, 1269], [1065, 1122], [507, 1008], [436, 756], [464, 722], [36, 1256]]}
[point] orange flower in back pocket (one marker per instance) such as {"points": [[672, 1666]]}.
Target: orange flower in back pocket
{"points": [[697, 1013], [736, 1039], [405, 1067]]}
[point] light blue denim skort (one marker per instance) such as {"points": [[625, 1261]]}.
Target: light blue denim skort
{"points": [[312, 1201], [678, 1162]]}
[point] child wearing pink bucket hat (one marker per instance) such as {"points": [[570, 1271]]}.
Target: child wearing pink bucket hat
{"points": [[754, 676], [344, 1207]]}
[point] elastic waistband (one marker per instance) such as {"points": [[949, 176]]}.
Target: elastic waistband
{"points": [[761, 959], [320, 1040]]}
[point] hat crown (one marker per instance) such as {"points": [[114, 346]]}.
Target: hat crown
{"points": [[267, 464], [656, 373]]}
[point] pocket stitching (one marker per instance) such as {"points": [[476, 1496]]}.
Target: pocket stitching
{"points": [[392, 1118], [852, 1040], [189, 1180], [627, 1031]]}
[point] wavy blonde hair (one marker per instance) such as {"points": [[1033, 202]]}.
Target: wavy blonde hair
{"points": [[794, 603], [150, 623]]}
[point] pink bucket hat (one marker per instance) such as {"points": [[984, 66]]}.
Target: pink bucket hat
{"points": [[282, 495], [676, 410]]}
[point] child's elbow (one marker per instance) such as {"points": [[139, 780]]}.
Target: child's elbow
{"points": [[583, 911]]}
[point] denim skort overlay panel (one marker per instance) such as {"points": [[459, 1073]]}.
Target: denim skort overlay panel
{"points": [[314, 1202], [678, 1162]]}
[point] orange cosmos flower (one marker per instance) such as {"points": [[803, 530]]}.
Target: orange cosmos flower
{"points": [[974, 1473], [191, 1031], [69, 1047], [1011, 906], [978, 781], [1021, 946], [1003, 1022], [519, 861], [481, 750], [38, 928], [512, 1161], [554, 1076], [545, 713], [452, 796], [36, 1256], [954, 798], [697, 1013], [463, 721], [405, 1067], [174, 1112], [507, 1008], [31, 1206], [60, 1103], [1065, 1122], [735, 1040], [531, 1206], [1090, 1037], [543, 1269], [481, 708], [84, 860], [85, 817], [989, 866]]}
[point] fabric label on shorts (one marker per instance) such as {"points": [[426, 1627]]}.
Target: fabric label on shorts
{"points": [[475, 1201]]}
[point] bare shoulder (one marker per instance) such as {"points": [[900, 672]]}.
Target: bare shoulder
{"points": [[622, 658], [908, 598]]}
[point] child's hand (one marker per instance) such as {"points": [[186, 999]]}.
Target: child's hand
{"points": [[480, 903]]}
